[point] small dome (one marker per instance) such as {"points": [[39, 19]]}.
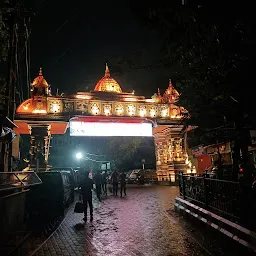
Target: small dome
{"points": [[171, 95], [108, 84], [40, 81]]}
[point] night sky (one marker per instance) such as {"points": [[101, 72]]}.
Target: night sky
{"points": [[73, 42]]}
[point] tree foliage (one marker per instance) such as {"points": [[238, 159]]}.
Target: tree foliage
{"points": [[211, 47], [127, 153], [4, 36]]}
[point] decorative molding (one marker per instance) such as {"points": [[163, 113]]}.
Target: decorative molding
{"points": [[54, 106]]}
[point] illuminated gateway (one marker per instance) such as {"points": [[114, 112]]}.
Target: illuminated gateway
{"points": [[105, 111]]}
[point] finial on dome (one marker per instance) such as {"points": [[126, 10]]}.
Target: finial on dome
{"points": [[107, 70], [40, 72], [170, 82]]}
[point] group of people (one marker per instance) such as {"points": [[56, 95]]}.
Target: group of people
{"points": [[100, 180]]}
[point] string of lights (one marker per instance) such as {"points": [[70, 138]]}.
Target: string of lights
{"points": [[97, 161]]}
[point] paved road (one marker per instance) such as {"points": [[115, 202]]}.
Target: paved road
{"points": [[135, 225]]}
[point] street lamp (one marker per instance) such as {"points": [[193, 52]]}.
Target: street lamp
{"points": [[79, 155]]}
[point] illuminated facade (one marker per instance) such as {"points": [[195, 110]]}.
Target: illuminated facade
{"points": [[44, 114]]}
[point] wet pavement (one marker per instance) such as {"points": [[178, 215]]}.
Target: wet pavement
{"points": [[138, 224]]}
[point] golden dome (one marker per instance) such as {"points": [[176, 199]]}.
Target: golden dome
{"points": [[40, 81], [171, 95], [107, 83]]}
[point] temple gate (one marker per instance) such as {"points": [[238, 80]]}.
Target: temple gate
{"points": [[43, 115]]}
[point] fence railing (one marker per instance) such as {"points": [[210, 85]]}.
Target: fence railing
{"points": [[15, 180], [220, 196]]}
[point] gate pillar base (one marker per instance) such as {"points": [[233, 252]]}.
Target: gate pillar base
{"points": [[40, 135], [169, 149]]}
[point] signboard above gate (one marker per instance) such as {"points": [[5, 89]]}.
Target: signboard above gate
{"points": [[80, 128]]}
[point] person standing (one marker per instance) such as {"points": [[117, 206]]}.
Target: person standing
{"points": [[122, 184], [114, 179], [98, 182], [104, 182], [86, 192]]}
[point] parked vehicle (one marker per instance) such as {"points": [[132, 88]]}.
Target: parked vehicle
{"points": [[142, 176], [51, 197], [133, 177]]}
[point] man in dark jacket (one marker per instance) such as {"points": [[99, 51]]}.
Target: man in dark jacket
{"points": [[86, 192]]}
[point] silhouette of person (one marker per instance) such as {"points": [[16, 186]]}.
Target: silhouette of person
{"points": [[86, 192], [98, 182], [123, 183], [114, 179], [104, 182]]}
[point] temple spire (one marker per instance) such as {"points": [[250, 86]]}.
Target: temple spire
{"points": [[158, 92], [107, 73], [170, 82], [40, 72]]}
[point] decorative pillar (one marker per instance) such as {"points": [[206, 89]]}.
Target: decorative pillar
{"points": [[40, 136], [170, 156]]}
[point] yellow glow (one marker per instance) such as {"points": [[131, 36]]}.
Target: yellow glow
{"points": [[143, 112], [158, 162], [130, 99], [131, 110], [25, 107], [55, 107], [172, 177], [119, 111], [164, 113], [149, 100], [95, 110], [38, 111], [107, 111], [188, 170], [177, 117], [85, 97], [152, 112]]}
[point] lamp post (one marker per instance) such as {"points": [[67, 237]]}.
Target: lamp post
{"points": [[143, 163], [79, 155]]}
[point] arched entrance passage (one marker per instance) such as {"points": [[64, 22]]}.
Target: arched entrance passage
{"points": [[106, 106]]}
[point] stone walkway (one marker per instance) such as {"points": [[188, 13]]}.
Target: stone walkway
{"points": [[136, 225]]}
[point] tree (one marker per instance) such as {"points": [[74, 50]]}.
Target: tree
{"points": [[211, 49], [127, 153], [4, 36]]}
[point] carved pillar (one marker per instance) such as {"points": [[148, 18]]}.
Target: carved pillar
{"points": [[170, 156], [40, 136]]}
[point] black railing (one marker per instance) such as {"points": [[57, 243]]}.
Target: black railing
{"points": [[18, 180], [220, 196]]}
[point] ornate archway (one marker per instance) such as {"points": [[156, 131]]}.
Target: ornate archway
{"points": [[44, 114]]}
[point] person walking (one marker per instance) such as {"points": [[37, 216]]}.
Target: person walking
{"points": [[98, 182], [122, 184], [86, 186], [114, 179], [104, 182]]}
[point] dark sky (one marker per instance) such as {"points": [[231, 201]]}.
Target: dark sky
{"points": [[72, 40]]}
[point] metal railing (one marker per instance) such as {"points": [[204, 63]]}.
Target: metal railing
{"points": [[18, 180], [220, 196]]}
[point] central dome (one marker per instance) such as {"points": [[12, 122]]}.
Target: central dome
{"points": [[107, 83]]}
